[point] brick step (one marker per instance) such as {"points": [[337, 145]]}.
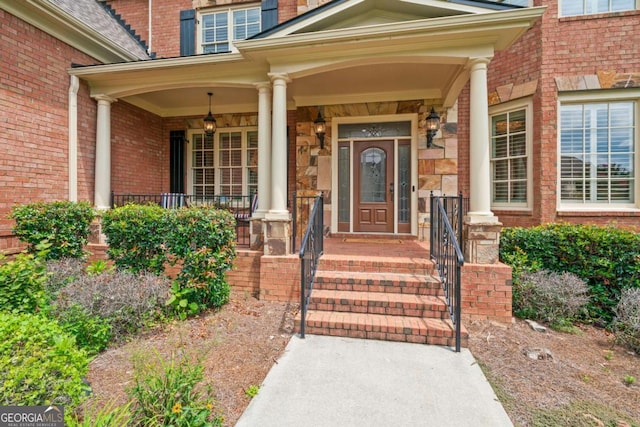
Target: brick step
{"points": [[379, 303], [378, 282], [404, 265], [382, 327]]}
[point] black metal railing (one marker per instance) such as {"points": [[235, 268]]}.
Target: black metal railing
{"points": [[446, 238], [311, 250], [241, 206], [302, 207]]}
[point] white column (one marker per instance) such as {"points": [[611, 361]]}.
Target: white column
{"points": [[264, 149], [102, 191], [480, 167], [278, 208], [74, 84]]}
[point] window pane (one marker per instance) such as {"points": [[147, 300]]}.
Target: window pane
{"points": [[344, 184], [509, 157], [597, 162], [373, 181]]}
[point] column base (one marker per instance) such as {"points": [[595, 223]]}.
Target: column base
{"points": [[277, 236], [481, 239]]}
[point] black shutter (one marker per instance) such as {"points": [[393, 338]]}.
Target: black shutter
{"points": [[176, 161], [187, 32], [269, 14]]}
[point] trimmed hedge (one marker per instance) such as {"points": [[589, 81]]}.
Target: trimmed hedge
{"points": [[607, 258], [65, 225], [200, 239]]}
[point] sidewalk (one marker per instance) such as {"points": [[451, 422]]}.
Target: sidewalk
{"points": [[343, 382]]}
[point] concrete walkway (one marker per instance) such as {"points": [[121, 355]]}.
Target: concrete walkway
{"points": [[342, 382]]}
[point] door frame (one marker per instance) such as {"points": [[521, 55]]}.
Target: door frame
{"points": [[335, 122]]}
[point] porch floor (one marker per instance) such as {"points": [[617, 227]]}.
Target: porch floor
{"points": [[376, 246]]}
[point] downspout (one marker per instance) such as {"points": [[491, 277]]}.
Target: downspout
{"points": [[74, 84], [150, 20]]}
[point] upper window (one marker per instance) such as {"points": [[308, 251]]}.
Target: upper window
{"points": [[586, 7], [510, 170], [220, 27], [598, 154]]}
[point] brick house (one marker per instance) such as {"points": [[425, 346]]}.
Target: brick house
{"points": [[537, 103]]}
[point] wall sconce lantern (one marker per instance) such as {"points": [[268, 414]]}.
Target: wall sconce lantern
{"points": [[432, 125], [210, 125], [320, 127]]}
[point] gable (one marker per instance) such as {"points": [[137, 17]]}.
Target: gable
{"points": [[345, 14]]}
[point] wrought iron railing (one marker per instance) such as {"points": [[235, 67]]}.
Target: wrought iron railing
{"points": [[446, 239], [302, 207], [242, 207], [311, 250]]}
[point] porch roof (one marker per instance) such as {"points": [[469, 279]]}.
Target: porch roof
{"points": [[424, 58]]}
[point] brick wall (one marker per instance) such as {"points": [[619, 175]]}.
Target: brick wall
{"points": [[486, 292], [34, 119], [280, 278], [245, 275]]}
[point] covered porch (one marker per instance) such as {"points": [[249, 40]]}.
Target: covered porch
{"points": [[373, 70]]}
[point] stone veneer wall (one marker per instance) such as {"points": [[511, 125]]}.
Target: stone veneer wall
{"points": [[437, 167]]}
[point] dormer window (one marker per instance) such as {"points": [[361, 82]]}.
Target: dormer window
{"points": [[220, 27]]}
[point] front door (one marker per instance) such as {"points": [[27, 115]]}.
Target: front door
{"points": [[373, 165]]}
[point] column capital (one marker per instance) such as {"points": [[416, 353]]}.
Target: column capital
{"points": [[263, 86], [478, 63], [104, 98], [275, 77]]}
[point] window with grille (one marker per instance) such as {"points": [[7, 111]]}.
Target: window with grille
{"points": [[219, 27], [225, 164], [598, 153], [587, 7], [510, 174]]}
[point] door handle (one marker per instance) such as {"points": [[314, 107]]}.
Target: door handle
{"points": [[391, 187]]}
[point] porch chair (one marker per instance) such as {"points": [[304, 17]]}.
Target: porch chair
{"points": [[244, 215], [173, 200]]}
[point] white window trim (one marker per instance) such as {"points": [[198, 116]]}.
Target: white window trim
{"points": [[519, 104], [229, 9], [584, 97], [216, 158], [560, 15]]}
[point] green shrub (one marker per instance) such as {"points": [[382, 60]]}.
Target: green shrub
{"points": [[65, 225], [137, 237], [200, 240], [22, 284], [203, 239], [92, 333], [550, 297], [95, 415], [167, 393], [607, 258], [127, 301], [39, 363], [627, 321]]}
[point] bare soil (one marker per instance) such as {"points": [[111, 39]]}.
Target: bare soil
{"points": [[585, 368], [237, 344], [240, 343]]}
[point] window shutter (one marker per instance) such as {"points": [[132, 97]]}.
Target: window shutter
{"points": [[176, 161], [269, 14], [187, 32]]}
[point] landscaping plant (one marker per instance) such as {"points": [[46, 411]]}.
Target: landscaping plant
{"points": [[606, 258], [200, 240], [39, 363], [550, 297], [65, 225], [627, 322], [169, 393], [22, 282]]}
